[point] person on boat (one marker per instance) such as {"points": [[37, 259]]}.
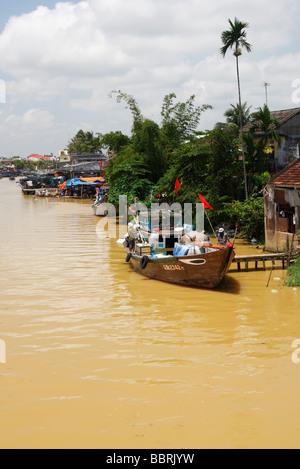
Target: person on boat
{"points": [[222, 237], [98, 194]]}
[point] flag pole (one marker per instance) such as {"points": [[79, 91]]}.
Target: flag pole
{"points": [[211, 225]]}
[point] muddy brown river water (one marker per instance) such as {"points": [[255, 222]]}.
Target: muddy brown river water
{"points": [[100, 357]]}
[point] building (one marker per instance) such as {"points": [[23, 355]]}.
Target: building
{"points": [[96, 157], [36, 157], [289, 131], [94, 161], [282, 209], [63, 157]]}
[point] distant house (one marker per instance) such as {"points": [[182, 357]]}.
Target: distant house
{"points": [[64, 156], [98, 157], [289, 131], [82, 163], [36, 157], [282, 209]]}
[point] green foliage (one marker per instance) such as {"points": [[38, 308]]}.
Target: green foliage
{"points": [[180, 120], [84, 142], [127, 175], [293, 277], [114, 141], [132, 105], [248, 216], [148, 144], [263, 122], [259, 181], [206, 163], [233, 114], [235, 38], [32, 165], [224, 168]]}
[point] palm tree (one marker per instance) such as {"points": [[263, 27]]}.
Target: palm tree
{"points": [[235, 38], [233, 113], [264, 122], [265, 125]]}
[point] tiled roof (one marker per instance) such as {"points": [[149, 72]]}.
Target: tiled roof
{"points": [[282, 117], [289, 176], [34, 155]]}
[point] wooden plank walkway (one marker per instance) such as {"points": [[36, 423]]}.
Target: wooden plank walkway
{"points": [[284, 258]]}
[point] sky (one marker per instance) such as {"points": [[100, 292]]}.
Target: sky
{"points": [[59, 61]]}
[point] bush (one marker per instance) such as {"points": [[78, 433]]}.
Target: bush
{"points": [[293, 278], [248, 216]]}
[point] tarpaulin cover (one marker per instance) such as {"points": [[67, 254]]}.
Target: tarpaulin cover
{"points": [[95, 179], [84, 182], [181, 250]]}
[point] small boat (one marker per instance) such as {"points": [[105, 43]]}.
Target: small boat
{"points": [[97, 208], [198, 263]]}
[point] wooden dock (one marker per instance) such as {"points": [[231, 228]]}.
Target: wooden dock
{"points": [[244, 261]]}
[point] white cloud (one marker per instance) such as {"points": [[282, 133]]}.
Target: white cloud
{"points": [[61, 63]]}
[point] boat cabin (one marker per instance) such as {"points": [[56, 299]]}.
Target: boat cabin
{"points": [[161, 228]]}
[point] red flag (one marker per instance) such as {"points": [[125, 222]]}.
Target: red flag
{"points": [[205, 204], [100, 163], [177, 185]]}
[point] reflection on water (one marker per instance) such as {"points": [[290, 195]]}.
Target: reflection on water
{"points": [[99, 356]]}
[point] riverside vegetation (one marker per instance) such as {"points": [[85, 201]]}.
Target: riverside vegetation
{"points": [[146, 165]]}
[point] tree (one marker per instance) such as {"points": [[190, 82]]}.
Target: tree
{"points": [[128, 174], [132, 105], [265, 126], [263, 122], [148, 144], [114, 141], [84, 142], [180, 120], [154, 143], [235, 38], [234, 112]]}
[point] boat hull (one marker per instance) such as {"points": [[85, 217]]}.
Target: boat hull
{"points": [[202, 270]]}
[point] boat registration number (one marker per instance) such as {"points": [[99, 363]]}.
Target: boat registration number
{"points": [[173, 267]]}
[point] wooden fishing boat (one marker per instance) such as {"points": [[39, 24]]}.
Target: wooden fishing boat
{"points": [[205, 270], [161, 255]]}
